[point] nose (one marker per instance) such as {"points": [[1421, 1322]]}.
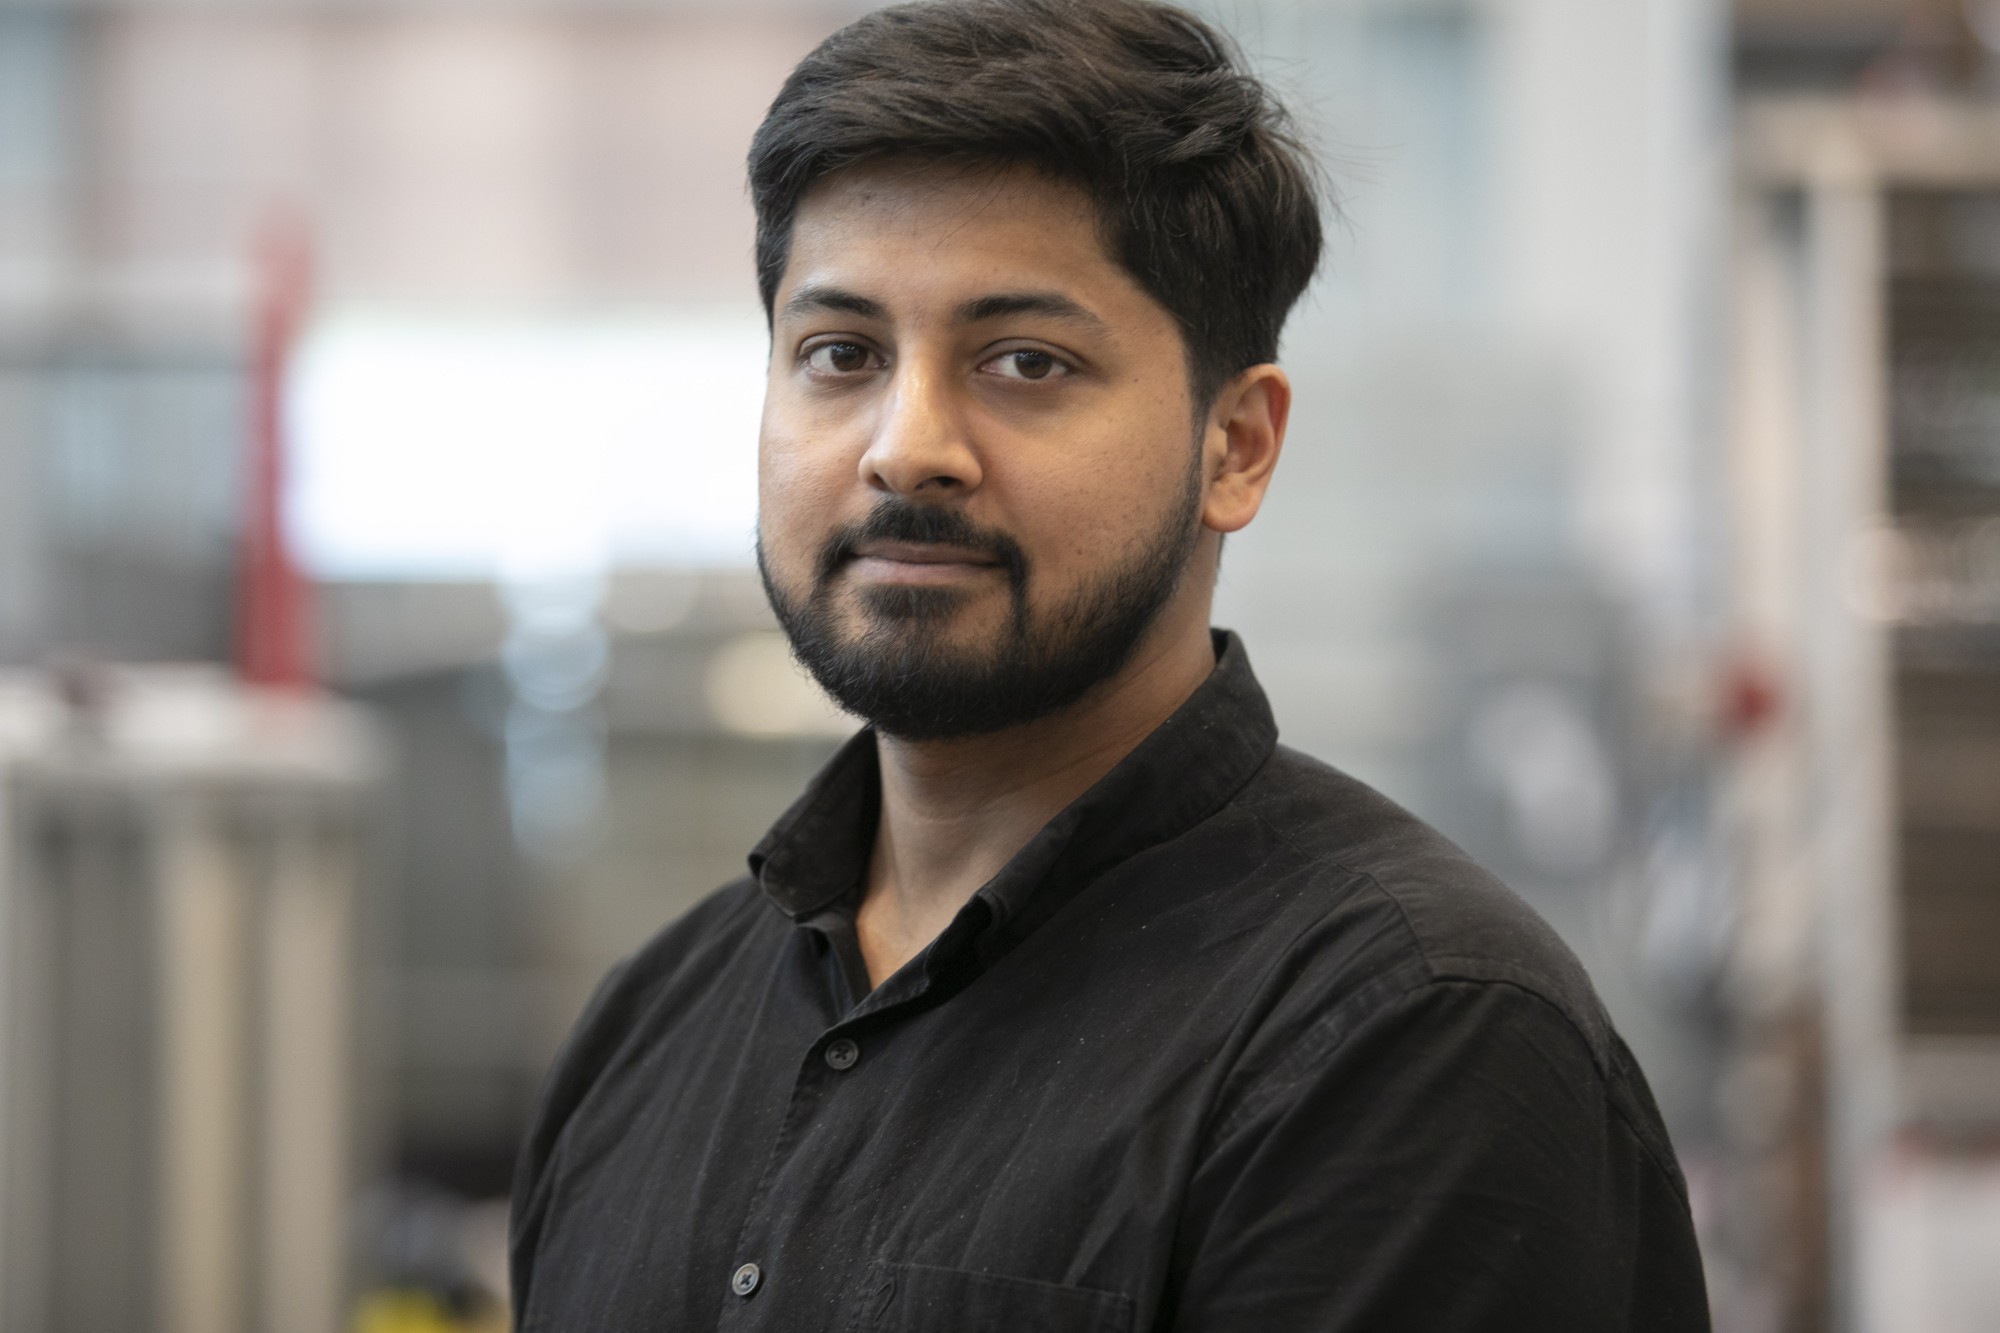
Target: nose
{"points": [[921, 445]]}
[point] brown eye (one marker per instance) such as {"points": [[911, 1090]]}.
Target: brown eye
{"points": [[839, 358], [1026, 364]]}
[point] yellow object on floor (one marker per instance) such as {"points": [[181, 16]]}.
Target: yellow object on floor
{"points": [[410, 1310]]}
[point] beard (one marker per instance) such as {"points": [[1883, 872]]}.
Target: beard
{"points": [[900, 673]]}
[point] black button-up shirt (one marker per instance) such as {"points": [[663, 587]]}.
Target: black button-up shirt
{"points": [[1233, 1044]]}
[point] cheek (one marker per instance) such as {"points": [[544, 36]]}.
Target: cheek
{"points": [[800, 493], [1078, 522], [1100, 490]]}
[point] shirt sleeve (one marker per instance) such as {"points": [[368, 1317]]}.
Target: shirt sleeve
{"points": [[568, 1081], [1455, 1160]]}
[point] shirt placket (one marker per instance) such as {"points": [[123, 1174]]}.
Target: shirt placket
{"points": [[834, 1067]]}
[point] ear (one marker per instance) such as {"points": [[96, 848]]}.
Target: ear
{"points": [[1246, 430]]}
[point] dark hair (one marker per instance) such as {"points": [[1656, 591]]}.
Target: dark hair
{"points": [[1205, 193]]}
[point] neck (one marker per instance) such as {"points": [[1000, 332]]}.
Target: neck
{"points": [[954, 812]]}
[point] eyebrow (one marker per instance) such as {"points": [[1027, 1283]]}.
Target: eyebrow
{"points": [[817, 297], [1050, 305]]}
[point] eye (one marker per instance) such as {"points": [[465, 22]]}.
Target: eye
{"points": [[1026, 363], [840, 358]]}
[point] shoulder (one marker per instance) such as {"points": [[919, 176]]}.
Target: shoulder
{"points": [[669, 972], [1433, 914], [1424, 1083], [685, 954], [1401, 949], [1394, 930], [693, 944]]}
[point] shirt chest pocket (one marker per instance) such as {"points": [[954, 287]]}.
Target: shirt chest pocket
{"points": [[917, 1298]]}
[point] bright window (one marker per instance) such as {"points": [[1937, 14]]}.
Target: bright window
{"points": [[429, 448]]}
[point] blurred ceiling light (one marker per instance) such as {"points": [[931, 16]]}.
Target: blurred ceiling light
{"points": [[525, 448], [755, 688]]}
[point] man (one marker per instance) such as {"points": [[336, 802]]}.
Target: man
{"points": [[1065, 999]]}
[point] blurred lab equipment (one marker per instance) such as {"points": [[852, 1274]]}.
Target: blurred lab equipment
{"points": [[179, 860]]}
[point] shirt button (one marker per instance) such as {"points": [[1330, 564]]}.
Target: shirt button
{"points": [[841, 1054], [746, 1279]]}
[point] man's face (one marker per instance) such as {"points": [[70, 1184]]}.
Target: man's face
{"points": [[979, 471]]}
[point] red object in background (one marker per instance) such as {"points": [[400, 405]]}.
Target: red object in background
{"points": [[1750, 697], [273, 601]]}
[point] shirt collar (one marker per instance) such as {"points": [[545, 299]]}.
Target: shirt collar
{"points": [[817, 852]]}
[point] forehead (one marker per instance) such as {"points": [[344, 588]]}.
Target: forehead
{"points": [[917, 230]]}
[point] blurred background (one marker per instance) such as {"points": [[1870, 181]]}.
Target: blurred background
{"points": [[380, 655]]}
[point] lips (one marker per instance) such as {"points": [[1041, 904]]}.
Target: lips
{"points": [[920, 564], [923, 553]]}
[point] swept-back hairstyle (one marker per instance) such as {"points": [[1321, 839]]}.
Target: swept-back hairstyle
{"points": [[1203, 189]]}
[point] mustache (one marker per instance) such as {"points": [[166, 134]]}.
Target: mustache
{"points": [[896, 520]]}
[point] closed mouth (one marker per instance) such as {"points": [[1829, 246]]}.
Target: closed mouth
{"points": [[923, 553]]}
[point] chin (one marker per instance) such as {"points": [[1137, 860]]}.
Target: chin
{"points": [[908, 604]]}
